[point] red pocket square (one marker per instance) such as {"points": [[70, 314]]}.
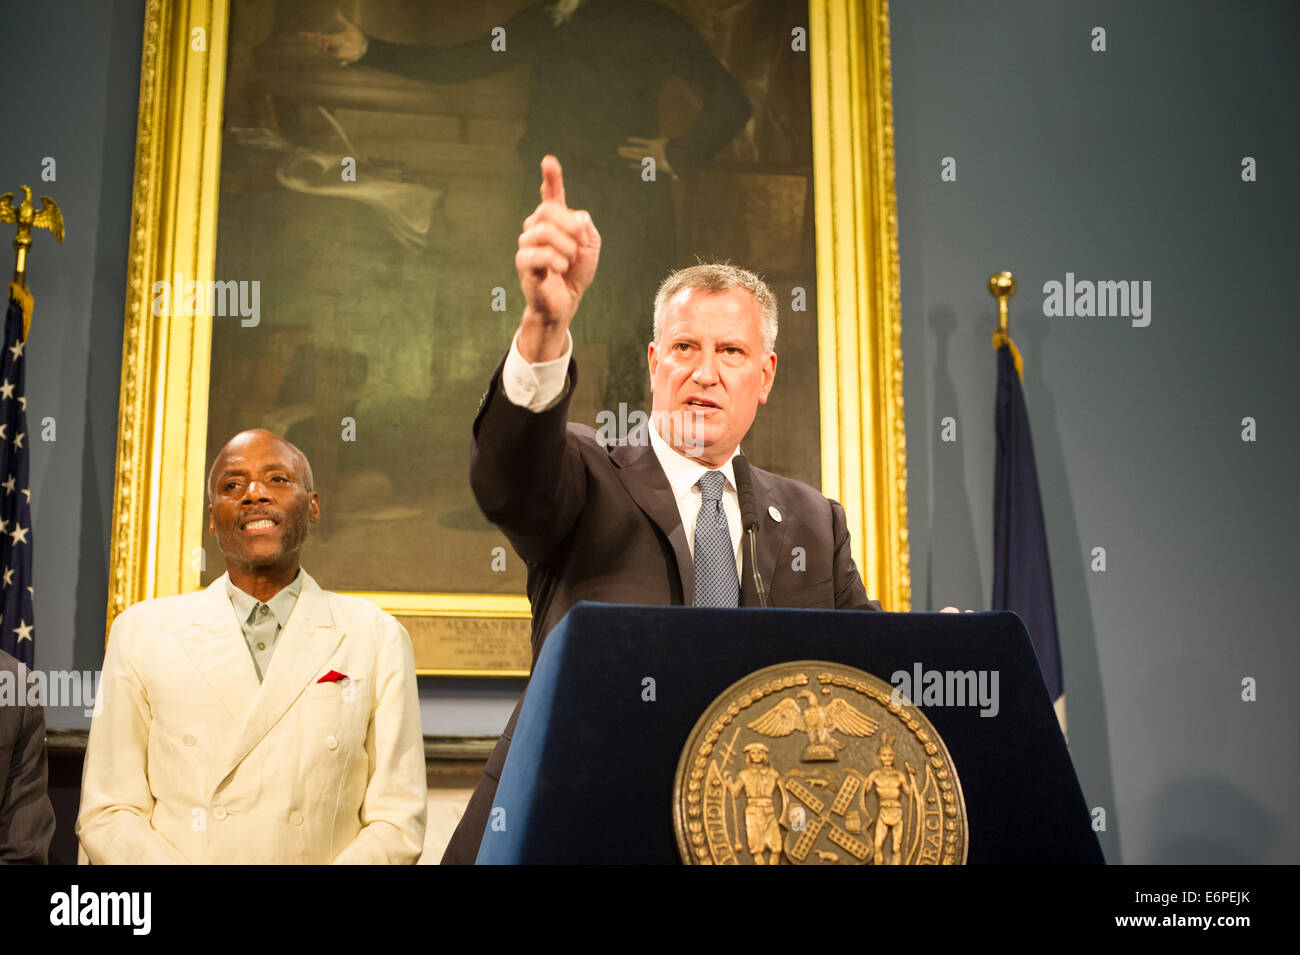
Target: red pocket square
{"points": [[334, 676]]}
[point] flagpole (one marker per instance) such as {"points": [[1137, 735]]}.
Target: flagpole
{"points": [[1002, 285], [22, 242], [27, 217], [1022, 577]]}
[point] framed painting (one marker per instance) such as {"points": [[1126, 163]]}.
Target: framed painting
{"points": [[326, 200]]}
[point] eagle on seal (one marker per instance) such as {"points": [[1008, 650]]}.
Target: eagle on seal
{"points": [[838, 716]]}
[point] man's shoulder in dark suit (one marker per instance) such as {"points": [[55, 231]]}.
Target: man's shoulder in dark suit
{"points": [[26, 815]]}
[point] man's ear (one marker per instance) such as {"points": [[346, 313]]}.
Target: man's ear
{"points": [[212, 522], [313, 507], [769, 375], [652, 359]]}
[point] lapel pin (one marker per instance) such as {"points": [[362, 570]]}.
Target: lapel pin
{"points": [[775, 514]]}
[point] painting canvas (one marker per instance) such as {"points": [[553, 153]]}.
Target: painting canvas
{"points": [[376, 203]]}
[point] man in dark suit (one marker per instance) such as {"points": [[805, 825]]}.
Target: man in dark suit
{"points": [[26, 815], [653, 518]]}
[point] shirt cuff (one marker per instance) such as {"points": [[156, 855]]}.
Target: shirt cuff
{"points": [[537, 387]]}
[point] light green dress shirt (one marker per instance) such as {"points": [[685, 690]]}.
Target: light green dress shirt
{"points": [[262, 622]]}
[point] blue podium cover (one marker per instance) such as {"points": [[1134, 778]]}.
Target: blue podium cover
{"points": [[589, 777]]}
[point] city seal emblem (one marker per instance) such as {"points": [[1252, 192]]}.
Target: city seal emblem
{"points": [[813, 763]]}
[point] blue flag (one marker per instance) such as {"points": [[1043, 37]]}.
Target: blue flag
{"points": [[15, 499], [1022, 571]]}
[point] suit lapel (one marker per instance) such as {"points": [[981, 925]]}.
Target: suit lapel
{"points": [[771, 540], [216, 647], [645, 481], [303, 647]]}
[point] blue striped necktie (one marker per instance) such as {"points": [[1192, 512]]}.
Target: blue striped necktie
{"points": [[716, 584]]}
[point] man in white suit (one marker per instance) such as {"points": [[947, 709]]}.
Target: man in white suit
{"points": [[262, 720]]}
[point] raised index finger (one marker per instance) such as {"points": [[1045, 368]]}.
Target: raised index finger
{"points": [[552, 180]]}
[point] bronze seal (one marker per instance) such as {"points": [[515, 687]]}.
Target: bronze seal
{"points": [[812, 762]]}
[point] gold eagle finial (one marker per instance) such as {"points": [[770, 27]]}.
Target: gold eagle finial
{"points": [[29, 217]]}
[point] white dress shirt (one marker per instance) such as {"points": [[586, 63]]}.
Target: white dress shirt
{"points": [[539, 387]]}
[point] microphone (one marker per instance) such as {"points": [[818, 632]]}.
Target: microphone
{"points": [[749, 518]]}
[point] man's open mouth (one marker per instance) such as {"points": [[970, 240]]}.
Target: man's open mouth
{"points": [[258, 523], [702, 403]]}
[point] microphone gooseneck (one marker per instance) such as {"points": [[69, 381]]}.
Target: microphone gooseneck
{"points": [[749, 518]]}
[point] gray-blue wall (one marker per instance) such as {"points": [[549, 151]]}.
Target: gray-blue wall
{"points": [[70, 77], [1115, 165], [1121, 165]]}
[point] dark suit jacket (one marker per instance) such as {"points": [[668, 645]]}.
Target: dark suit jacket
{"points": [[600, 523], [26, 815]]}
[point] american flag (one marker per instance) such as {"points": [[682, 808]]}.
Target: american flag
{"points": [[15, 499]]}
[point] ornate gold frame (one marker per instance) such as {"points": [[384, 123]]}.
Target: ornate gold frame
{"points": [[159, 499], [864, 451]]}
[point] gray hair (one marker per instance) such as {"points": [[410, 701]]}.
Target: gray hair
{"points": [[714, 277]]}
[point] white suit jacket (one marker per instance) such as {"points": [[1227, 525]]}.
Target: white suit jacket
{"points": [[191, 760]]}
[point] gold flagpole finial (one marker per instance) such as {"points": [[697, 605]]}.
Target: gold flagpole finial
{"points": [[28, 217], [1002, 285]]}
